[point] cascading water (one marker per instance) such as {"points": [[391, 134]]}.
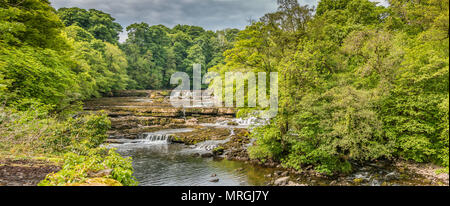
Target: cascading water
{"points": [[149, 138], [251, 121], [159, 137], [210, 145], [232, 132]]}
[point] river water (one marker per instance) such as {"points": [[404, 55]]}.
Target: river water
{"points": [[157, 162]]}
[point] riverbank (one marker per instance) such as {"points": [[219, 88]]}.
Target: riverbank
{"points": [[382, 172], [25, 171], [378, 173]]}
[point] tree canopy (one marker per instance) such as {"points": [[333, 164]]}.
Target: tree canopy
{"points": [[101, 25]]}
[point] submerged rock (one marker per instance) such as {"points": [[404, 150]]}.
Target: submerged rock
{"points": [[232, 123], [392, 176], [195, 155], [281, 181], [207, 155], [218, 151], [214, 180]]}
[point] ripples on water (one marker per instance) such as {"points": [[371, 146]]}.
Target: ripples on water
{"points": [[158, 163], [172, 165]]}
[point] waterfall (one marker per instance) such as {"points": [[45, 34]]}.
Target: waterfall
{"points": [[251, 121], [151, 138], [160, 137], [207, 146], [210, 145]]}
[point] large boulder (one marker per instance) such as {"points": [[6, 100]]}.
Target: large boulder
{"points": [[101, 173]]}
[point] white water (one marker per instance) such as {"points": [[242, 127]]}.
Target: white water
{"points": [[155, 138], [247, 123], [210, 145], [151, 138], [160, 137], [251, 121]]}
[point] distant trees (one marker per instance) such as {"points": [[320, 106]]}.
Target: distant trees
{"points": [[156, 52], [101, 25], [153, 53]]}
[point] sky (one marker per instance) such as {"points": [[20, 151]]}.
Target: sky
{"points": [[209, 14]]}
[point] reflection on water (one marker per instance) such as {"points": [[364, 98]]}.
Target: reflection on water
{"points": [[174, 165], [157, 162]]}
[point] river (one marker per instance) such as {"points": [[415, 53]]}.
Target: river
{"points": [[172, 147]]}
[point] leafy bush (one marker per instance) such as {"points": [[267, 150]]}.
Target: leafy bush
{"points": [[443, 154], [77, 168], [267, 145], [327, 132], [79, 134]]}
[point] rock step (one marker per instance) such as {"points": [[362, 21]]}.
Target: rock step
{"points": [[166, 112]]}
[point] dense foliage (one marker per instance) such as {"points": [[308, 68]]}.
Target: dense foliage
{"points": [[34, 132], [101, 25], [358, 82], [153, 53], [42, 61]]}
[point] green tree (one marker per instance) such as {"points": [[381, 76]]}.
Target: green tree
{"points": [[100, 24]]}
